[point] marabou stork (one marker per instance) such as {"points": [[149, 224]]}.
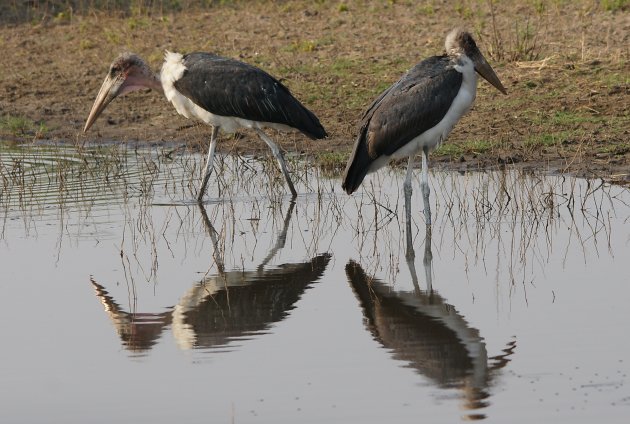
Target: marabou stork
{"points": [[222, 92], [418, 112]]}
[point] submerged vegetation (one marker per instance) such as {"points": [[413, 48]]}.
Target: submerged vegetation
{"points": [[95, 181]]}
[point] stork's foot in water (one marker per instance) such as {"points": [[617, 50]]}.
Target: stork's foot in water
{"points": [[285, 172], [280, 159]]}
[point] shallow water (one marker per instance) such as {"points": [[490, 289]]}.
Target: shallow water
{"points": [[123, 300]]}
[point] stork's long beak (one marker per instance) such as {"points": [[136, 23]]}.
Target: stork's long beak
{"points": [[485, 70], [109, 90]]}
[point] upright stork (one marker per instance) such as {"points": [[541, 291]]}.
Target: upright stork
{"points": [[418, 112], [224, 93]]}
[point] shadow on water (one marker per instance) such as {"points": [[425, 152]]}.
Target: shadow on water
{"points": [[421, 328], [222, 308]]}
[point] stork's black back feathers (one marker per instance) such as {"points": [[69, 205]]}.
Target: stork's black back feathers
{"points": [[411, 106], [228, 87]]}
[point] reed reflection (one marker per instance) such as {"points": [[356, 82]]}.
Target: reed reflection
{"points": [[421, 328], [221, 308]]}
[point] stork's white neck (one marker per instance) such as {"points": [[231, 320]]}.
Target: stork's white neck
{"points": [[466, 66], [172, 70]]}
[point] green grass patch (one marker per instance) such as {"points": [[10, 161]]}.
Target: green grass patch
{"points": [[302, 46], [570, 118], [332, 161], [307, 46], [615, 79], [343, 67], [343, 81], [615, 5], [19, 126], [86, 44], [467, 147], [615, 149], [561, 118], [112, 36], [137, 22], [426, 9], [552, 139]]}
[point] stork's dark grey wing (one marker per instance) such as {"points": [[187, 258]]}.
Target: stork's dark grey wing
{"points": [[414, 104], [228, 87]]}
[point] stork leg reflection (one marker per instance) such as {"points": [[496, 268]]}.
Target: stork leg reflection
{"points": [[427, 260], [279, 244], [282, 237], [218, 259]]}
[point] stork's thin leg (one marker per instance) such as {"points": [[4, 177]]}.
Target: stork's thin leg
{"points": [[424, 185], [407, 189], [209, 161], [278, 154]]}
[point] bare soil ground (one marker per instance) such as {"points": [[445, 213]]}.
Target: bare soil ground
{"points": [[565, 65]]}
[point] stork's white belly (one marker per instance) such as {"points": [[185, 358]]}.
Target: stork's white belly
{"points": [[172, 70], [433, 137]]}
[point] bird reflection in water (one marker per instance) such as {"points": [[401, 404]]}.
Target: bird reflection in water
{"points": [[224, 307], [422, 329]]}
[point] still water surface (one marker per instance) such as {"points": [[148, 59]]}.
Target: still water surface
{"points": [[122, 300]]}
